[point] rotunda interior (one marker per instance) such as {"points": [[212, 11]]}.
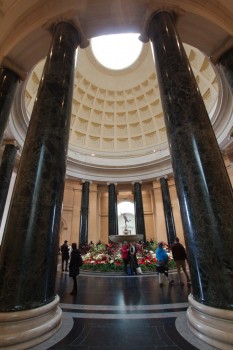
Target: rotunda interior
{"points": [[138, 143]]}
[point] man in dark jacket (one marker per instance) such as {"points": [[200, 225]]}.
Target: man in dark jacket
{"points": [[65, 255], [179, 256]]}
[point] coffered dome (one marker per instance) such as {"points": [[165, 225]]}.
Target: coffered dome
{"points": [[117, 122]]}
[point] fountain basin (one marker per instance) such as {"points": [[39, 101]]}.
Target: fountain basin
{"points": [[125, 238]]}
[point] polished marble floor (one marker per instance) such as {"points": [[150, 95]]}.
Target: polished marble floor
{"points": [[118, 312]]}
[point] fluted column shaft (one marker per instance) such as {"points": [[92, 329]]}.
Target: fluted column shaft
{"points": [[139, 214], [227, 66], [112, 210], [8, 84], [28, 259], [83, 234], [203, 186], [6, 169], [168, 213]]}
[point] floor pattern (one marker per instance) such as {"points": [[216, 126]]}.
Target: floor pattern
{"points": [[117, 312]]}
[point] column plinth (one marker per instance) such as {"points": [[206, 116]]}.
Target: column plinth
{"points": [[25, 329]]}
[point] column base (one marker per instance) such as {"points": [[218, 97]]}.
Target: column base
{"points": [[213, 326], [24, 329]]}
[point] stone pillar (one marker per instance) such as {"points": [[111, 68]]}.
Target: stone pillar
{"points": [[6, 169], [203, 186], [226, 64], [112, 210], [83, 232], [28, 260], [8, 84], [168, 213], [139, 214]]}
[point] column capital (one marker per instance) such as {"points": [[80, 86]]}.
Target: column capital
{"points": [[9, 64], [11, 142], [84, 42], [152, 12], [112, 183], [83, 181], [221, 50], [135, 182]]}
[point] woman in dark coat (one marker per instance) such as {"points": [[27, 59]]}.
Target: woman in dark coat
{"points": [[75, 262]]}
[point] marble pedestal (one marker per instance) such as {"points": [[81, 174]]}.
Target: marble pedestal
{"points": [[213, 326], [24, 329]]}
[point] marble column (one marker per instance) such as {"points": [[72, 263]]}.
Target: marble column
{"points": [[139, 214], [226, 64], [6, 169], [112, 210], [83, 233], [28, 260], [8, 84], [168, 213], [203, 186]]}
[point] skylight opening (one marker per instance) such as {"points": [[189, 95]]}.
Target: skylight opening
{"points": [[117, 51]]}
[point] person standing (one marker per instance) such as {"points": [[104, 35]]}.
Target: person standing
{"points": [[125, 255], [76, 262], [162, 266], [133, 258], [179, 256], [65, 255]]}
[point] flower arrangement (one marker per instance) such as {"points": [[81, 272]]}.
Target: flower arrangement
{"points": [[107, 258]]}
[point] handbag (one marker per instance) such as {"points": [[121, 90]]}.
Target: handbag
{"points": [[139, 270]]}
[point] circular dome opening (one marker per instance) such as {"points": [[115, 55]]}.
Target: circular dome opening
{"points": [[117, 51]]}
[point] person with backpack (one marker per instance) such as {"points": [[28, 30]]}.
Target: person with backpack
{"points": [[162, 265], [75, 263]]}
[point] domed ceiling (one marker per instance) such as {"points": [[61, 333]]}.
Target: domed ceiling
{"points": [[117, 121]]}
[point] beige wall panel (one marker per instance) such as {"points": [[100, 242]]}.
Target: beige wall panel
{"points": [[103, 234], [176, 210], [160, 227], [65, 233], [149, 226], [93, 225], [76, 211], [148, 209]]}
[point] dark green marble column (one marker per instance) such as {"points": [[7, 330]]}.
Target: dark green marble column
{"points": [[139, 214], [6, 169], [168, 213], [28, 259], [8, 84], [83, 232], [226, 64], [203, 186], [112, 210]]}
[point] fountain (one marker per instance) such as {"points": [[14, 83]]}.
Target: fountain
{"points": [[126, 237]]}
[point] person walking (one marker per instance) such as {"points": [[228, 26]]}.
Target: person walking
{"points": [[179, 256], [162, 266], [75, 263], [65, 255]]}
